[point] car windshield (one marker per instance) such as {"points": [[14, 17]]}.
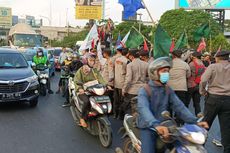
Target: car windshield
{"points": [[57, 52], [12, 60], [29, 55], [27, 40]]}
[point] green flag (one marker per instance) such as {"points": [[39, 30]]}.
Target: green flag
{"points": [[135, 39], [162, 43], [182, 41], [202, 31]]}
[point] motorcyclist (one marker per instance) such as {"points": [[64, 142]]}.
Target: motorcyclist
{"points": [[72, 68], [64, 69], [75, 64], [155, 98], [40, 58], [85, 74]]}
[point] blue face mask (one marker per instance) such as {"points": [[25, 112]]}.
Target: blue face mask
{"points": [[164, 77]]}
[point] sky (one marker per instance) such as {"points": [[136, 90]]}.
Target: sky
{"points": [[63, 11]]}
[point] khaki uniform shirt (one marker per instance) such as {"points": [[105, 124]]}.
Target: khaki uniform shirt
{"points": [[113, 59], [216, 79], [136, 76], [120, 71], [107, 72], [97, 65], [179, 74]]}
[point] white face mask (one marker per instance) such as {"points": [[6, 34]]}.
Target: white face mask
{"points": [[39, 54]]}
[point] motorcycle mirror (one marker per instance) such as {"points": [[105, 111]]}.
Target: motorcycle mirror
{"points": [[166, 115], [33, 64]]}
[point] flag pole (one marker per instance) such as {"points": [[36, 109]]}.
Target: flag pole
{"points": [[210, 48], [188, 46], [148, 12]]}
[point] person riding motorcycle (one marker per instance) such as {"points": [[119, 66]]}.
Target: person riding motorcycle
{"points": [[64, 70], [85, 74], [72, 69], [75, 64], [40, 58], [155, 98]]}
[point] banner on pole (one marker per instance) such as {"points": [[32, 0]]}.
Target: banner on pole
{"points": [[5, 17], [89, 9]]}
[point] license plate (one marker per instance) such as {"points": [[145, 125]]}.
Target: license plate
{"points": [[11, 96]]}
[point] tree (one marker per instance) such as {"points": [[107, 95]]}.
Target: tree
{"points": [[70, 41], [176, 21], [220, 41], [124, 28], [227, 25]]}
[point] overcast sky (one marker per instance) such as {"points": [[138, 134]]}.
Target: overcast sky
{"points": [[66, 8]]}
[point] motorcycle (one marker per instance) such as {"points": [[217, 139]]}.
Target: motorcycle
{"points": [[188, 138], [42, 72], [64, 80], [97, 120]]}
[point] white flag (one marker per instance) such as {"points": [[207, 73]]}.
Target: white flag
{"points": [[92, 36]]}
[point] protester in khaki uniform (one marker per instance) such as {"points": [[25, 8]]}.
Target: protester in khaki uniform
{"points": [[107, 71], [179, 73], [144, 56], [117, 55], [136, 77], [120, 72], [215, 85]]}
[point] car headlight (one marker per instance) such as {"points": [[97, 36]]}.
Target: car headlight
{"points": [[32, 79]]}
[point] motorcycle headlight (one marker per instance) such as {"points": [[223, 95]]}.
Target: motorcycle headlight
{"points": [[99, 91], [196, 137], [44, 76]]}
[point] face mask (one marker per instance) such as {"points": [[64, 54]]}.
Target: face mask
{"points": [[164, 77], [39, 54], [69, 59]]}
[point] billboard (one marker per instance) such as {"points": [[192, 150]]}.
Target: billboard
{"points": [[89, 9], [5, 17], [204, 4]]}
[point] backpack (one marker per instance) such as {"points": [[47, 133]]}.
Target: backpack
{"points": [[199, 70]]}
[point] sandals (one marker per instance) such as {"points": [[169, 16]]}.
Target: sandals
{"points": [[83, 123]]}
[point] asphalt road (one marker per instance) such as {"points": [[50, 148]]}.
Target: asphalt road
{"points": [[49, 128]]}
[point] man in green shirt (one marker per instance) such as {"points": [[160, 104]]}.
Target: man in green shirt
{"points": [[40, 58], [85, 74]]}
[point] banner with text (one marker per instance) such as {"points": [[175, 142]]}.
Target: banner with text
{"points": [[89, 9], [5, 17]]}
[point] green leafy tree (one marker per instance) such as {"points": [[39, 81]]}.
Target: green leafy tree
{"points": [[176, 21], [220, 41], [70, 41], [124, 28]]}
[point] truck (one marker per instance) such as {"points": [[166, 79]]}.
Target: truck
{"points": [[23, 36]]}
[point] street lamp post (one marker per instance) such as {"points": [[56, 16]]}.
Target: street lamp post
{"points": [[140, 21], [47, 19]]}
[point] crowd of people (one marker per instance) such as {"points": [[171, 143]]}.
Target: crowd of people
{"points": [[159, 84]]}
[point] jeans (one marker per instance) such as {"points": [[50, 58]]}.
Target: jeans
{"points": [[117, 101], [148, 141], [183, 96], [195, 95], [126, 105], [219, 105]]}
